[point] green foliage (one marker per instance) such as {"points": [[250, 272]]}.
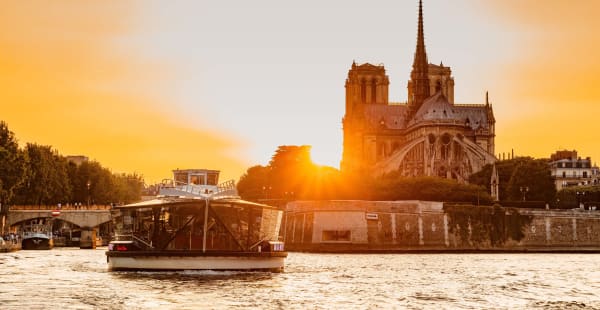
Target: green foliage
{"points": [[505, 170], [46, 178], [290, 169], [12, 164], [516, 173], [38, 175], [534, 175], [395, 187], [568, 198], [98, 185], [254, 183], [494, 224], [292, 175]]}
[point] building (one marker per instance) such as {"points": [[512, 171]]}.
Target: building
{"points": [[429, 135], [568, 169], [77, 159]]}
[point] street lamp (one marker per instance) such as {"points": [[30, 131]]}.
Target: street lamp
{"points": [[524, 190], [580, 199], [266, 190], [88, 192], [288, 195]]}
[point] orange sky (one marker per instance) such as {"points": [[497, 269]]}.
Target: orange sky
{"points": [[152, 86], [552, 86], [63, 84]]}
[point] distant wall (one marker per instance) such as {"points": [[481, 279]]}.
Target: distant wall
{"points": [[346, 226]]}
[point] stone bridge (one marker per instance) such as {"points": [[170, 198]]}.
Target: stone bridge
{"points": [[84, 217]]}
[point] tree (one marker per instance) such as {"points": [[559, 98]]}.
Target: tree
{"points": [[46, 180], [395, 187], [254, 183], [290, 167], [505, 170], [39, 175], [570, 197], [127, 188], [12, 164], [532, 178], [525, 172], [291, 174]]}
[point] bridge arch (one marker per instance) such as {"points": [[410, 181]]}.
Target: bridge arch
{"points": [[85, 219]]}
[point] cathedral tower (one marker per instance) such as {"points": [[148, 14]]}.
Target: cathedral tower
{"points": [[366, 85], [419, 88]]}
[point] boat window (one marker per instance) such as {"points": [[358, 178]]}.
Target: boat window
{"points": [[197, 179], [181, 178], [213, 178]]}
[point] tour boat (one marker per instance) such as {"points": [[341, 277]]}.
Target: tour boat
{"points": [[37, 235], [195, 224]]}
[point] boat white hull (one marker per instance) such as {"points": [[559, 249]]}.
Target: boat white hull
{"points": [[144, 262]]}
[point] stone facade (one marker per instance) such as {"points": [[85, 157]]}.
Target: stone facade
{"points": [[569, 170], [429, 135], [348, 226]]}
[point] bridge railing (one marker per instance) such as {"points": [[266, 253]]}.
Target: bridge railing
{"points": [[62, 208]]}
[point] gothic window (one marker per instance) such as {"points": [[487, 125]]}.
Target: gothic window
{"points": [[363, 91], [442, 172], [374, 92], [445, 146], [382, 150], [457, 151], [431, 138]]}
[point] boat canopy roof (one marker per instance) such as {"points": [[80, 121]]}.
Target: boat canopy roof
{"points": [[160, 202]]}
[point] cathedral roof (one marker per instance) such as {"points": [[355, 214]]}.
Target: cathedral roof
{"points": [[392, 116], [436, 107], [475, 116]]}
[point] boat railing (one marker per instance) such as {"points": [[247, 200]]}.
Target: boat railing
{"points": [[257, 243], [226, 188], [123, 237], [147, 244]]}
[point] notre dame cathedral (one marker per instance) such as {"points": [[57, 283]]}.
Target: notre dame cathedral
{"points": [[429, 135]]}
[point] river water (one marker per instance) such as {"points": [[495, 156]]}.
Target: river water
{"points": [[70, 278]]}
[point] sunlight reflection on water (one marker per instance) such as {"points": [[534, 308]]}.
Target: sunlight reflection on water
{"points": [[76, 279]]}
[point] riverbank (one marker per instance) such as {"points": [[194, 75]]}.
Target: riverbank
{"points": [[432, 227]]}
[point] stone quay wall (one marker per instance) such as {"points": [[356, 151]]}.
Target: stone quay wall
{"points": [[423, 226]]}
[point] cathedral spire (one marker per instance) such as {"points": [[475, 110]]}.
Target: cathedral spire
{"points": [[420, 74]]}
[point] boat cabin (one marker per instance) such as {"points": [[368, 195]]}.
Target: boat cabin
{"points": [[192, 224], [196, 183], [196, 177]]}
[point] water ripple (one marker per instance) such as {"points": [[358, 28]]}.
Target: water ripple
{"points": [[77, 279]]}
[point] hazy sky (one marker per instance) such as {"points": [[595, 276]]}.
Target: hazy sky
{"points": [[150, 86]]}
